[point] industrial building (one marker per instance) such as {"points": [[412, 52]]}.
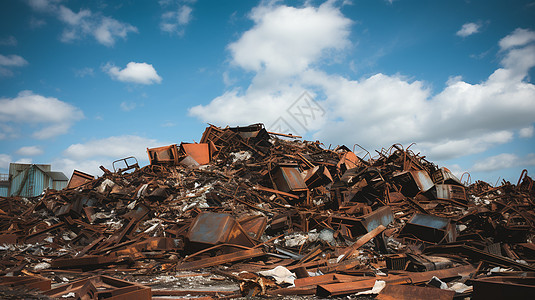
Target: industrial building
{"points": [[29, 180]]}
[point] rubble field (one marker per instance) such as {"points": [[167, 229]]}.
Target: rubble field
{"points": [[251, 213]]}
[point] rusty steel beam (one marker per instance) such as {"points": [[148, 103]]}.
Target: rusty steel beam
{"points": [[221, 259], [348, 252]]}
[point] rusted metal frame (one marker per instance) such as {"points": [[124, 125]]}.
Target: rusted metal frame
{"points": [[368, 153], [221, 259], [521, 213]]}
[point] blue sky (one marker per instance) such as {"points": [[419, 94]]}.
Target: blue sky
{"points": [[83, 83]]}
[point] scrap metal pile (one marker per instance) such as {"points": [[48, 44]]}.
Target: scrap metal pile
{"points": [[272, 215]]}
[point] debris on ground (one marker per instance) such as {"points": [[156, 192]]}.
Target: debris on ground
{"points": [[246, 212]]}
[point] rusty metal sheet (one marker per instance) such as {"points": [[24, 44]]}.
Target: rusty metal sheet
{"points": [[254, 226], [381, 216], [287, 178], [78, 178], [217, 228], [318, 176], [491, 288], [199, 152], [451, 192], [413, 182], [30, 282], [346, 288], [445, 176], [430, 228], [163, 155], [325, 279], [410, 292]]}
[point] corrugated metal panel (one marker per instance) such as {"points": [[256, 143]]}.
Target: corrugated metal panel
{"points": [[30, 181], [59, 184], [3, 191]]}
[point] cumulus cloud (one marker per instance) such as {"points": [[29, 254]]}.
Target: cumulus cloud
{"points": [[175, 19], [29, 151], [468, 29], [54, 116], [527, 132], [375, 111], [87, 157], [519, 37], [10, 61], [141, 73], [85, 23], [503, 161], [287, 40]]}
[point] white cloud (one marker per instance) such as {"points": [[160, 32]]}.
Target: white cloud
{"points": [[85, 23], [503, 161], [287, 40], [519, 37], [284, 42], [5, 160], [68, 16], [113, 147], [527, 132], [29, 151], [141, 73], [175, 20], [8, 41], [53, 115], [375, 111], [109, 29], [128, 106], [24, 160], [89, 156], [468, 29], [12, 61]]}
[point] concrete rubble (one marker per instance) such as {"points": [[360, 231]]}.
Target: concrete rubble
{"points": [[250, 213]]}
